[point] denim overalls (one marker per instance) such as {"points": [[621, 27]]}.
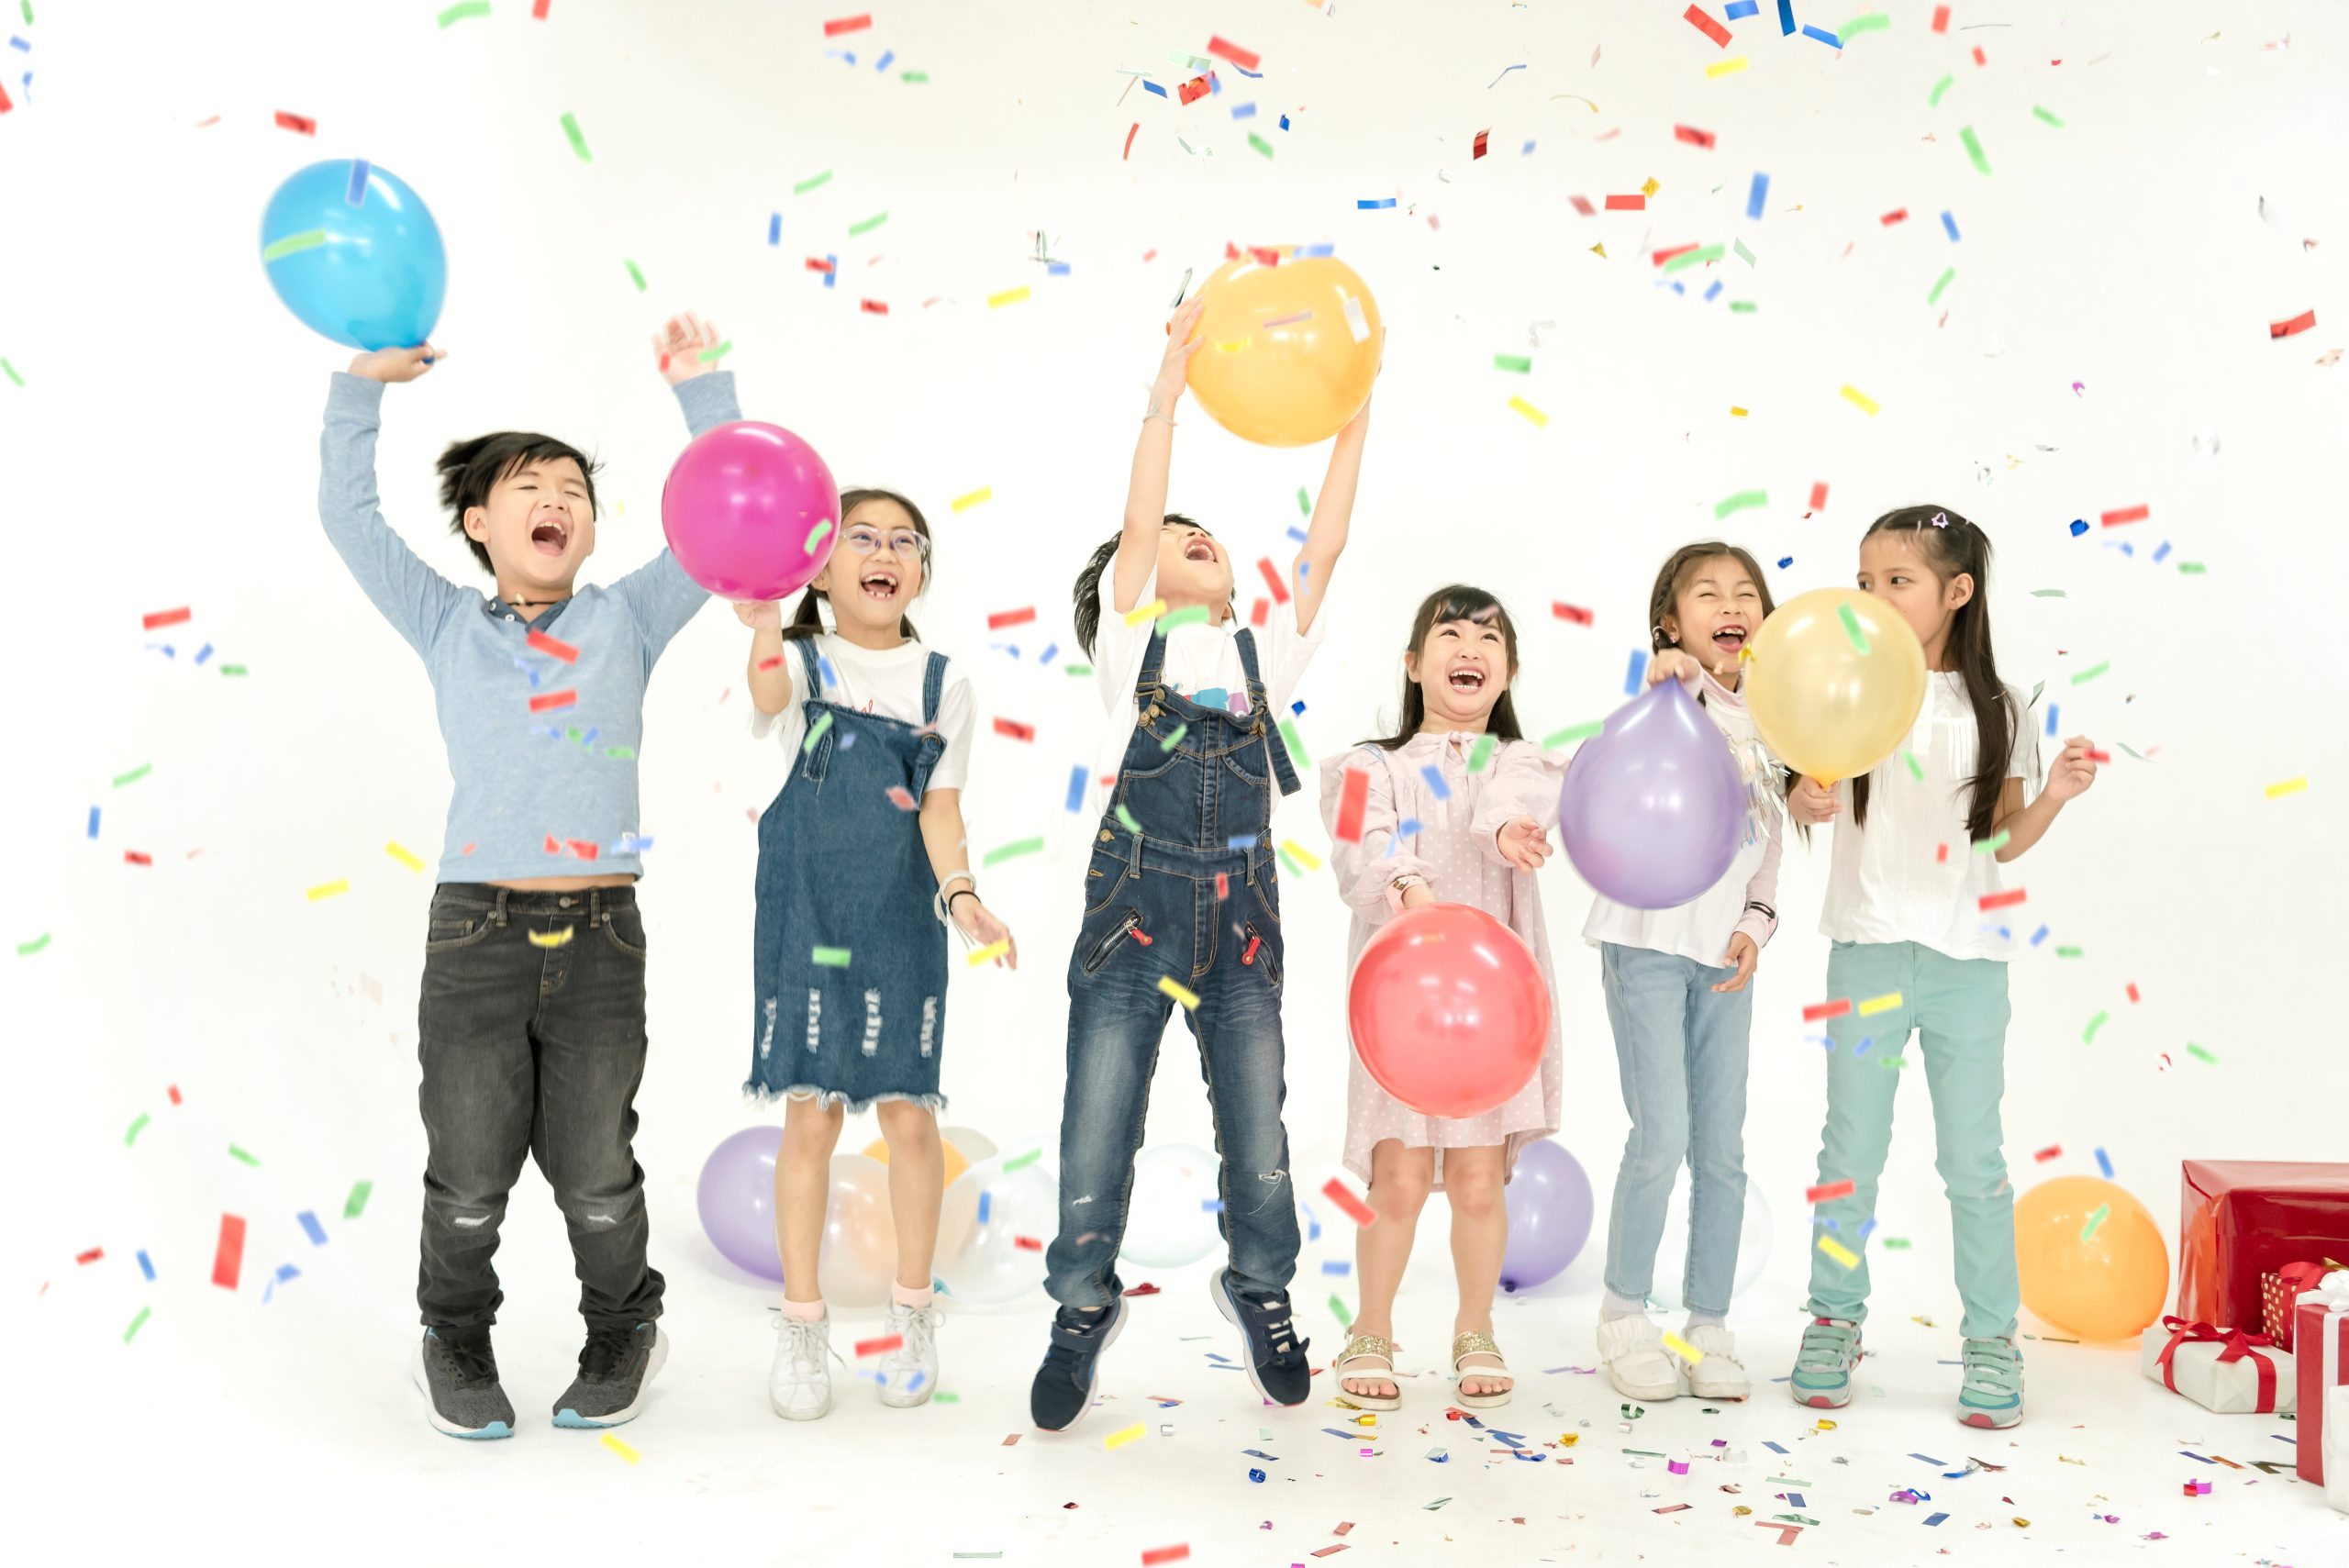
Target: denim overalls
{"points": [[1181, 888], [849, 958]]}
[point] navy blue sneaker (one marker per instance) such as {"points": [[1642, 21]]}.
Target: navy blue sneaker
{"points": [[1276, 1355], [1065, 1384]]}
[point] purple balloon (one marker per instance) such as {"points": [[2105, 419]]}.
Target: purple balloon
{"points": [[1653, 809], [737, 1200], [1548, 1205], [750, 511]]}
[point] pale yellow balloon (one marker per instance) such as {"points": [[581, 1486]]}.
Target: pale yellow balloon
{"points": [[1288, 352], [1827, 709], [955, 1164]]}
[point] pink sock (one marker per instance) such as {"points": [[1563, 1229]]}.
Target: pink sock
{"points": [[805, 1311], [904, 1297]]}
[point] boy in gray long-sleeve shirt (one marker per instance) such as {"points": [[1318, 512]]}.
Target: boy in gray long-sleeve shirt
{"points": [[531, 1023]]}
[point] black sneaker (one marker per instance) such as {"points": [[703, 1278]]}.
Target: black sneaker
{"points": [[615, 1368], [458, 1377], [1064, 1385], [1276, 1355]]}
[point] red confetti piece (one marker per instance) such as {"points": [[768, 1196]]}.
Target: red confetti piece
{"points": [[538, 9], [873, 307], [92, 1256], [173, 1091], [1696, 17], [547, 702], [1478, 148], [1818, 1010], [5, 106], [1143, 1289], [1264, 255], [2096, 756], [901, 797], [1222, 886], [1635, 202], [2300, 323], [1330, 1550], [1692, 136], [1582, 204], [2133, 992], [1027, 1244], [554, 648], [165, 617], [1828, 1191], [833, 29], [1002, 618], [1898, 215], [2125, 515], [1345, 1527], [582, 848], [1191, 92], [1224, 49], [1356, 1211], [132, 857], [1941, 854], [1574, 612], [874, 1347], [2053, 1151], [1164, 1554], [2000, 900], [296, 122], [1941, 19], [1354, 796], [1819, 496], [1659, 256], [1978, 58], [1259, 612], [229, 1257], [817, 264], [1272, 580], [770, 663], [1128, 153], [1014, 729]]}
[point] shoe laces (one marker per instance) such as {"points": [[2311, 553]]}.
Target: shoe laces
{"points": [[472, 1359], [1826, 1344], [809, 1339], [1993, 1364], [605, 1351], [916, 1327]]}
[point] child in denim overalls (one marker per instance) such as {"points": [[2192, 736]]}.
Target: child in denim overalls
{"points": [[1182, 907]]}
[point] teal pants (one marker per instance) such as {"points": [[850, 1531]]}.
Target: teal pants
{"points": [[1957, 1008]]}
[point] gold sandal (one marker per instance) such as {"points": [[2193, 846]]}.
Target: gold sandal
{"points": [[1476, 1343], [1366, 1347]]}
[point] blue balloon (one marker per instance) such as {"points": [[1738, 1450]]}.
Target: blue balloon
{"points": [[353, 254]]}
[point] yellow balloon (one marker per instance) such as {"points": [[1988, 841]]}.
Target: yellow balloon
{"points": [[1829, 711], [1287, 352], [955, 1164], [2090, 1258]]}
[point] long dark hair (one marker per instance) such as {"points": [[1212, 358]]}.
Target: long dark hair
{"points": [[1458, 602], [1950, 546], [1087, 596], [807, 620], [1675, 575]]}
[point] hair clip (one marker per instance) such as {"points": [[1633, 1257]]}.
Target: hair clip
{"points": [[1941, 520]]}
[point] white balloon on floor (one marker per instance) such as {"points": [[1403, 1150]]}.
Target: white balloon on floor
{"points": [[1172, 1220], [975, 1145], [993, 1231], [860, 1249]]}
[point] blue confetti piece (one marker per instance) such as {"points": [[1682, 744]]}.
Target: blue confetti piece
{"points": [[287, 1272], [831, 270], [1681, 289], [1822, 34], [589, 739], [355, 194], [1867, 1227], [2079, 526], [1950, 224], [1434, 776], [1794, 1499], [824, 668], [1715, 289], [774, 228], [1740, 10], [1757, 194], [1313, 1226], [144, 1266], [1639, 668], [1297, 534], [312, 1229], [985, 1201], [1046, 656], [1243, 111], [206, 651], [1785, 19], [1526, 148], [1252, 75], [1833, 1225], [882, 63], [1215, 84], [1409, 826], [2053, 709], [2039, 936], [2161, 554], [1337, 1268], [1326, 247], [1774, 1447], [17, 43], [1930, 1518], [1210, 1206], [1297, 708], [1785, 561], [93, 822], [2130, 551], [1150, 86], [1284, 122], [1056, 269], [1366, 205], [1077, 787], [1865, 1042], [2104, 1163], [847, 741]]}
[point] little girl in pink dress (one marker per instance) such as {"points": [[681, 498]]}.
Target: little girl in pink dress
{"points": [[1457, 810]]}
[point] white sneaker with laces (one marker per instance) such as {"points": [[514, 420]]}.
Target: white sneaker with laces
{"points": [[799, 1385], [1631, 1348], [1720, 1376], [909, 1373]]}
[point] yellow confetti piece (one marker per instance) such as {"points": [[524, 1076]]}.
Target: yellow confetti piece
{"points": [[1859, 400], [1519, 406], [1735, 412], [550, 939], [1117, 1440], [403, 856], [1651, 188], [1824, 1425], [1883, 1004], [1151, 611], [1729, 67], [1837, 1251], [1599, 250], [1233, 345], [1008, 296], [2289, 787], [617, 1447], [992, 950], [1189, 998], [1305, 857], [965, 503], [1682, 1348], [329, 889]]}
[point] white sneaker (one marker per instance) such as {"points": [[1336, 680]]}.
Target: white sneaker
{"points": [[1632, 1350], [1720, 1376], [909, 1373], [799, 1385]]}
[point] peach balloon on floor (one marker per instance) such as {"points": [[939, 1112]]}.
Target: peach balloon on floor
{"points": [[2090, 1258], [955, 1163]]}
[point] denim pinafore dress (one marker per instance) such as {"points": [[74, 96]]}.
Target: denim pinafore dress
{"points": [[850, 959]]}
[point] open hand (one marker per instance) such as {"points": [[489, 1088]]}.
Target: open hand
{"points": [[1743, 956], [1523, 844], [679, 345], [392, 366], [1175, 365]]}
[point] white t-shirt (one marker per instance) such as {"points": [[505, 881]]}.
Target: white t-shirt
{"points": [[887, 682], [1888, 883], [1202, 659]]}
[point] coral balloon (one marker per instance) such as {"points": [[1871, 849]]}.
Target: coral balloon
{"points": [[735, 1198], [1171, 1218], [993, 1229], [368, 272], [1287, 352], [1828, 709], [1549, 1203], [955, 1164], [2090, 1258], [750, 511], [859, 1258], [1652, 810], [1448, 1010]]}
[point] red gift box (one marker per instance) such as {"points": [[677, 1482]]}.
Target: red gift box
{"points": [[2240, 1218], [2322, 1329], [2279, 1295]]}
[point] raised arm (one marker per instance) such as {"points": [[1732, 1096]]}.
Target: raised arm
{"points": [[415, 598], [1153, 454], [1333, 511], [659, 595]]}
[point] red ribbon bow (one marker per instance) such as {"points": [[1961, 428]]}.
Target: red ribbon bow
{"points": [[2237, 1345]]}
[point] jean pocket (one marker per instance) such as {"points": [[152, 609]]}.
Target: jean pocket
{"points": [[1111, 941], [1262, 954], [1104, 879], [624, 929], [448, 932]]}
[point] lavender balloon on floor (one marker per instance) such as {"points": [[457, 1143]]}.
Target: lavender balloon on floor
{"points": [[1652, 810], [1548, 1205], [737, 1200]]}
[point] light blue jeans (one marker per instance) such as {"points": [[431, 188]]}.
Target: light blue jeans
{"points": [[1958, 1008], [1682, 1048]]}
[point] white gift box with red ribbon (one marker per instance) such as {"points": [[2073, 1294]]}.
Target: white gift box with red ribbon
{"points": [[2321, 1330], [2224, 1371]]}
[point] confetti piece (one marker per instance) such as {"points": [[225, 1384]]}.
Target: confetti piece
{"points": [[2038, 113], [876, 1346], [1686, 1352], [1189, 615], [1370, 204], [827, 958], [135, 1324], [547, 702], [868, 226], [2103, 1212], [1295, 747], [1729, 67], [634, 273], [1571, 734], [1859, 400], [229, 1256], [848, 25], [984, 494], [461, 10], [578, 142], [1522, 364], [711, 356], [1012, 851], [1189, 998], [1744, 500], [1818, 1010], [2288, 786], [294, 244], [1999, 900], [1974, 149], [1157, 1554], [10, 370], [1948, 273], [2304, 321], [1574, 612], [1337, 1310], [1353, 799], [1519, 406], [1118, 1440], [816, 732], [1480, 755], [1008, 296], [2094, 1024], [299, 123], [1839, 1253], [1829, 1191], [2121, 515], [1822, 36], [1692, 136], [2091, 673], [1304, 856], [1852, 628], [2198, 1054], [1015, 730], [329, 889], [403, 856], [1638, 668], [611, 1442], [988, 953], [1697, 17]]}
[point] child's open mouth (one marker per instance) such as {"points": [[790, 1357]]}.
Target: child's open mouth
{"points": [[879, 586], [1730, 640], [1198, 549], [551, 538], [1467, 679]]}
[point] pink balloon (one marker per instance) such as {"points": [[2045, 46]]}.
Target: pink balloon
{"points": [[1448, 1010], [745, 508]]}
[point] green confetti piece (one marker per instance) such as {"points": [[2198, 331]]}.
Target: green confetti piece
{"points": [[1126, 820], [1742, 254], [1994, 843], [868, 226], [946, 1398], [1439, 1502], [133, 775], [573, 734], [1337, 1310], [1742, 500], [1293, 869], [2091, 673], [815, 731], [1974, 149], [2087, 1037], [141, 1321], [2038, 113], [2049, 594], [2070, 953], [913, 76], [136, 1129], [1893, 1061], [1852, 627], [622, 753], [1260, 144], [1896, 1243], [1012, 851], [811, 182], [816, 536], [294, 244], [1944, 85], [1174, 738], [1696, 258], [1480, 755], [1079, 669], [829, 958], [1189, 615], [634, 273], [28, 6], [232, 669], [2191, 568], [578, 142], [1874, 22], [2198, 1054], [241, 1157], [1020, 1162], [1743, 306], [1521, 364], [2103, 1212], [1572, 733], [1304, 502], [26, 950], [1948, 274], [11, 370], [357, 1202], [461, 11], [1295, 747], [1916, 768], [711, 356]]}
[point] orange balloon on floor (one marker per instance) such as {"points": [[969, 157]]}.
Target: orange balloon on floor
{"points": [[2091, 1258], [1287, 352], [955, 1164]]}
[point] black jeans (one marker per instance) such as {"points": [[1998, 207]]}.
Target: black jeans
{"points": [[531, 1033]]}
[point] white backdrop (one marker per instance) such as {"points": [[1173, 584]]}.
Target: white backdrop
{"points": [[161, 452]]}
